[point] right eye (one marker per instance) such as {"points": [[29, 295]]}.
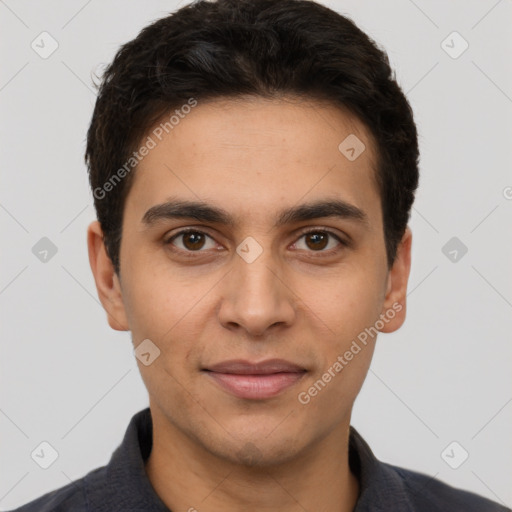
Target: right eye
{"points": [[191, 240]]}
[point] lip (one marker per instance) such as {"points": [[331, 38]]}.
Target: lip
{"points": [[243, 367], [256, 381]]}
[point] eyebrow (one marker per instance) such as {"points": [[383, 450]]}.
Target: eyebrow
{"points": [[204, 212]]}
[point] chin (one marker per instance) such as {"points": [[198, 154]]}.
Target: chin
{"points": [[257, 454]]}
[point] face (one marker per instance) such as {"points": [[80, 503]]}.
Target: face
{"points": [[249, 235]]}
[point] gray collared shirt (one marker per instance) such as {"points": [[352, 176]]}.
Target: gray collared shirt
{"points": [[123, 485]]}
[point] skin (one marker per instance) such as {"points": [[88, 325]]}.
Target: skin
{"points": [[297, 301]]}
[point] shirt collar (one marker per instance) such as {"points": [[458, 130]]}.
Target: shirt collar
{"points": [[379, 483], [124, 485]]}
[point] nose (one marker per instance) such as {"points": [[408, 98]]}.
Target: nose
{"points": [[256, 297]]}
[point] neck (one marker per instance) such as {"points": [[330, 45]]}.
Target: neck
{"points": [[186, 476]]}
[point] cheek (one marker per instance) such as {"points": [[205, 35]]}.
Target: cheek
{"points": [[348, 304], [171, 314], [331, 393], [159, 303], [344, 354]]}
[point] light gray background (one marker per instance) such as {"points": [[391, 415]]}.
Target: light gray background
{"points": [[68, 379]]}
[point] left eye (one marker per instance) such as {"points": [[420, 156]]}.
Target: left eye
{"points": [[318, 241]]}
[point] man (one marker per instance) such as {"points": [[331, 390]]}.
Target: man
{"points": [[253, 165]]}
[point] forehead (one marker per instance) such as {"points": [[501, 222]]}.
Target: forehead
{"points": [[253, 154]]}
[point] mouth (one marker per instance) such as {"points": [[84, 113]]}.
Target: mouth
{"points": [[255, 381]]}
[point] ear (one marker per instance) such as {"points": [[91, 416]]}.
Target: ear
{"points": [[394, 307], [107, 281]]}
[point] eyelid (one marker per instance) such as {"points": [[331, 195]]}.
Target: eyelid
{"points": [[324, 229]]}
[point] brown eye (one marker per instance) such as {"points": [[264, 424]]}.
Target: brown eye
{"points": [[317, 240], [191, 241]]}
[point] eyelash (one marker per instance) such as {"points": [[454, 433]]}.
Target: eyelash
{"points": [[342, 242]]}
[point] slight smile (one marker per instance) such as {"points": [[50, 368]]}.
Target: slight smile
{"points": [[255, 381]]}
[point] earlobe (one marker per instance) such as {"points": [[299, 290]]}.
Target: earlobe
{"points": [[394, 307], [107, 282]]}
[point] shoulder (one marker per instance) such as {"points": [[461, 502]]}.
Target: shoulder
{"points": [[428, 494], [384, 486], [71, 497]]}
